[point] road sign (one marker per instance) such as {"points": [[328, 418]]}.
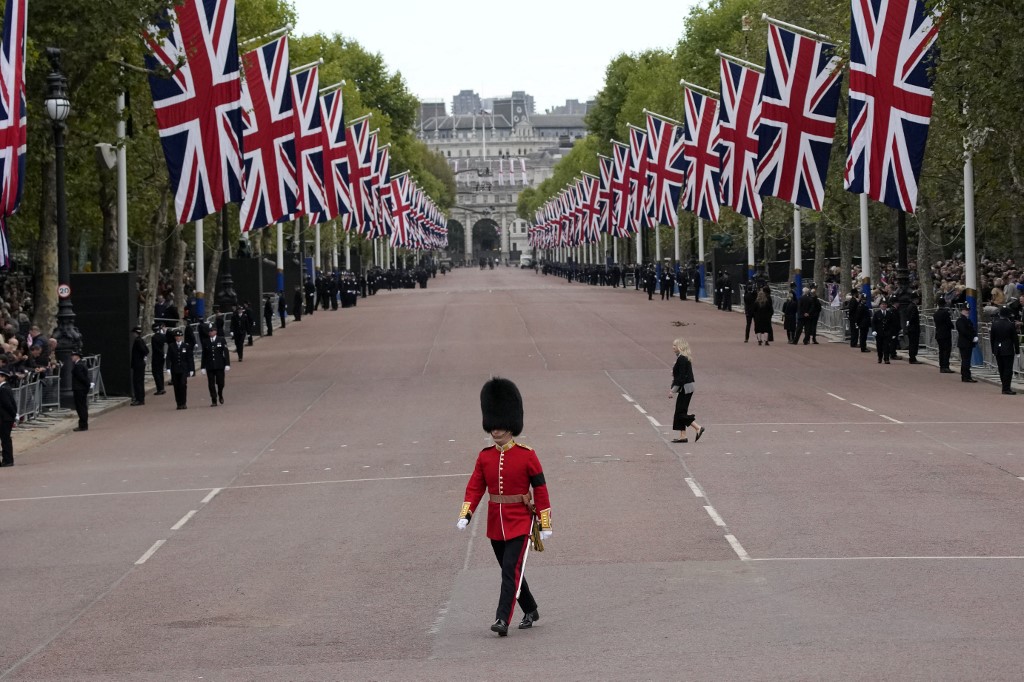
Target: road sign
{"points": [[64, 291]]}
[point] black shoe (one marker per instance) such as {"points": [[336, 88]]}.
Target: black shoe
{"points": [[815, 342], [529, 619], [79, 428], [887, 362], [1006, 392], [221, 399], [946, 371], [880, 361], [501, 627], [864, 350], [916, 362], [182, 407], [213, 403], [134, 403], [6, 464], [160, 392], [767, 343], [969, 381]]}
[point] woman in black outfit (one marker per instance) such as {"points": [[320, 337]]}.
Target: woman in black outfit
{"points": [[682, 388], [763, 312]]}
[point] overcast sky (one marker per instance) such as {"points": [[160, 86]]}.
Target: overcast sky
{"points": [[553, 49]]}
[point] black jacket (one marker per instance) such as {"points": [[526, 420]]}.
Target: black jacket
{"points": [[180, 361], [886, 323], [943, 325], [139, 353], [79, 378], [159, 345], [8, 405], [215, 355], [1005, 340], [913, 325], [682, 371], [966, 332]]}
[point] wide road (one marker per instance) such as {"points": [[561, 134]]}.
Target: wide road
{"points": [[839, 519]]}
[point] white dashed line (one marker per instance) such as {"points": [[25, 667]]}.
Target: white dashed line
{"points": [[212, 494], [627, 397], [836, 397], [653, 421], [714, 516], [866, 409], [894, 421], [184, 520], [642, 410], [738, 548], [150, 552], [697, 492]]}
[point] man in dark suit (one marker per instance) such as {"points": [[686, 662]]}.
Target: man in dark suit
{"points": [[966, 337], [943, 334], [159, 346], [884, 322], [216, 361], [853, 315], [8, 416], [268, 315], [80, 386], [139, 353], [182, 365], [912, 328], [1005, 346]]}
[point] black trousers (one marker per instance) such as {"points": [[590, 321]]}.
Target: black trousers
{"points": [[965, 362], [945, 348], [215, 380], [139, 384], [510, 554], [180, 383], [6, 444], [854, 335], [240, 346], [1005, 363], [750, 320], [884, 346], [82, 407], [864, 332], [284, 319], [158, 376], [913, 343], [270, 326], [681, 419]]}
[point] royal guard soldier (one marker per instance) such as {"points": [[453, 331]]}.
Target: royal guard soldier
{"points": [[508, 470]]}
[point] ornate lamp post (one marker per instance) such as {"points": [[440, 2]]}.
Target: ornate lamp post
{"points": [[226, 297], [67, 335]]}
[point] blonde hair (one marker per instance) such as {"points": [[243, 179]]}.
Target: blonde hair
{"points": [[683, 348]]}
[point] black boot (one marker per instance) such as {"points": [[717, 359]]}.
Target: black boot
{"points": [[529, 619], [501, 627]]}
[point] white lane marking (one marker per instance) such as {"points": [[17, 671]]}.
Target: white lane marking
{"points": [[836, 397], [1021, 478], [642, 410], [894, 421], [627, 397], [697, 492], [653, 421], [239, 487], [714, 516], [213, 494], [150, 552], [886, 558], [184, 520], [866, 409], [738, 548]]}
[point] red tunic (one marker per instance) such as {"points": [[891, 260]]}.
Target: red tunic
{"points": [[509, 472]]}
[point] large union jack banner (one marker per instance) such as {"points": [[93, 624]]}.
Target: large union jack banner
{"points": [[400, 206], [640, 191], [799, 100], [604, 196], [309, 145], [665, 169], [268, 118], [703, 166], [362, 153], [891, 52], [197, 96], [622, 219], [335, 155], [590, 187], [738, 118], [13, 129]]}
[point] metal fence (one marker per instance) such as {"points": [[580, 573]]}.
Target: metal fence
{"points": [[38, 396]]}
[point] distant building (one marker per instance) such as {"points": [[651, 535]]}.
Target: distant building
{"points": [[431, 109], [465, 103], [528, 99], [572, 107]]}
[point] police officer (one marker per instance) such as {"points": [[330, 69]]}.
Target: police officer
{"points": [[943, 334], [886, 325], [159, 345], [215, 362], [1005, 347], [8, 416], [182, 365], [966, 337], [912, 327], [139, 353], [268, 315], [80, 386]]}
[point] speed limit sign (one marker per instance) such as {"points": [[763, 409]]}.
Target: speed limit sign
{"points": [[63, 290]]}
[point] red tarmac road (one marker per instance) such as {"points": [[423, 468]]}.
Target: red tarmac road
{"points": [[839, 519]]}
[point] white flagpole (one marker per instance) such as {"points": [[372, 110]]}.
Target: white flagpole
{"points": [[318, 266], [200, 270], [615, 249], [700, 256], [970, 251], [750, 249], [348, 250], [280, 258], [797, 253], [675, 236], [639, 246], [334, 247], [865, 251], [122, 188]]}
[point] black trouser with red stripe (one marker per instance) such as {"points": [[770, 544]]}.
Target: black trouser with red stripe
{"points": [[510, 555]]}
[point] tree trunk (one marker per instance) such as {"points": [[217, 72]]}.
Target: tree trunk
{"points": [[45, 301], [927, 253], [108, 211], [846, 244], [154, 255], [820, 236]]}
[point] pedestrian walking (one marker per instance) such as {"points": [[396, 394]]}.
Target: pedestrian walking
{"points": [[159, 346], [966, 338], [268, 315], [885, 328], [943, 334], [80, 386], [182, 365], [762, 314], [215, 363], [516, 521], [682, 389], [8, 417], [282, 309], [790, 310], [297, 304], [239, 329], [138, 365], [912, 328], [1005, 347]]}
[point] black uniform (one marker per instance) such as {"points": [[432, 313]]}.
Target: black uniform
{"points": [[182, 365], [282, 309], [159, 345], [943, 337], [886, 324], [239, 330], [8, 415], [912, 327], [216, 360], [853, 314], [965, 333], [749, 305], [139, 353], [268, 316], [1005, 347], [80, 386], [297, 304]]}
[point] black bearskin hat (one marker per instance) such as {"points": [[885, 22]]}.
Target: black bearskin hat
{"points": [[502, 406]]}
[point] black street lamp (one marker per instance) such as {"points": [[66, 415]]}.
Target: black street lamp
{"points": [[226, 297], [67, 335]]}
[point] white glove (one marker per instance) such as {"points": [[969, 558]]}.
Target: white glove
{"points": [[461, 525], [92, 385], [191, 374], [874, 333], [227, 368], [975, 339], [168, 370], [203, 371], [545, 534]]}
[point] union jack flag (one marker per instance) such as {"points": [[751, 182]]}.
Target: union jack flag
{"points": [[799, 99], [891, 51], [702, 163], [606, 166], [380, 186], [309, 145], [400, 205], [13, 127], [198, 106], [335, 146], [362, 154], [268, 118], [591, 196], [640, 195], [665, 170], [622, 222], [738, 118]]}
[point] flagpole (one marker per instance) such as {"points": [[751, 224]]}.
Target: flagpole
{"points": [[267, 36], [741, 62], [750, 249], [615, 249], [280, 259], [334, 247], [710, 93], [316, 250], [865, 251], [794, 27], [797, 253], [200, 270], [970, 252], [122, 187], [700, 251], [348, 250]]}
